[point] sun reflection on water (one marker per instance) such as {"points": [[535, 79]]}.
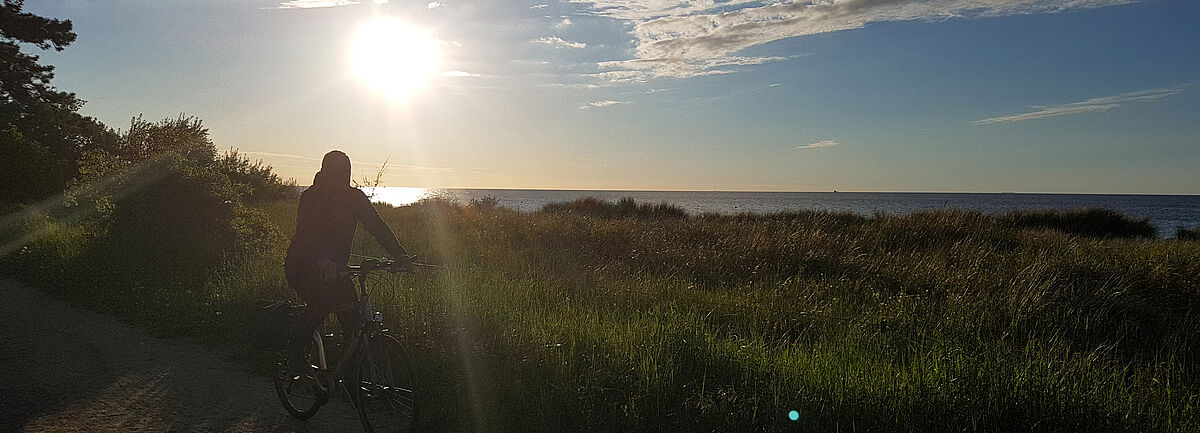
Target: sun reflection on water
{"points": [[399, 196]]}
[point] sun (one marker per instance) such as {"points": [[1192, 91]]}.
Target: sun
{"points": [[394, 56]]}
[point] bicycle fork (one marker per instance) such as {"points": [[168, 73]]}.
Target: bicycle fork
{"points": [[320, 349]]}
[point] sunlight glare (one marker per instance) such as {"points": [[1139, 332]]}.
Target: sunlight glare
{"points": [[393, 56], [400, 196]]}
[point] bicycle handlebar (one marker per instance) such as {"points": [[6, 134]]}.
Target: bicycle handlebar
{"points": [[375, 264]]}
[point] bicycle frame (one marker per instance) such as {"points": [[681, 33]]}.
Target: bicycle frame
{"points": [[376, 389], [370, 321]]}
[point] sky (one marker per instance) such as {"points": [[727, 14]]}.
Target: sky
{"points": [[1071, 96]]}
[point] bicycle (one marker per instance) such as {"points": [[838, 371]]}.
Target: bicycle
{"points": [[373, 369]]}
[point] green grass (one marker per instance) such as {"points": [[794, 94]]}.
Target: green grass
{"points": [[570, 319]]}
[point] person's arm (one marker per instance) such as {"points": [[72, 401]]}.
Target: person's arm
{"points": [[379, 229]]}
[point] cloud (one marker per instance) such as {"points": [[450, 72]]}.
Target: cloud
{"points": [[434, 5], [684, 68], [310, 4], [459, 74], [623, 76], [601, 104], [819, 144], [277, 155], [539, 6], [357, 164], [558, 42], [566, 22], [685, 38], [1095, 104]]}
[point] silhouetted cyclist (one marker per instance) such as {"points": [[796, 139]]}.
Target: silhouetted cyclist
{"points": [[329, 212]]}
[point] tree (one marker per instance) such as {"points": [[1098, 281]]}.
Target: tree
{"points": [[45, 134], [24, 81]]}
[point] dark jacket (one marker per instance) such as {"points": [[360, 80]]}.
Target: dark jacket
{"points": [[325, 226]]}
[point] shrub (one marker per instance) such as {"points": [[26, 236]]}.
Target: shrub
{"points": [[1188, 234], [625, 208], [173, 221], [1093, 222], [264, 185], [487, 202]]}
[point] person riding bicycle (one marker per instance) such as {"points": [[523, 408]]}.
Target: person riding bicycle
{"points": [[329, 212]]}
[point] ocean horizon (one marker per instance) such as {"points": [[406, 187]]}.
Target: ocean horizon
{"points": [[1168, 212]]}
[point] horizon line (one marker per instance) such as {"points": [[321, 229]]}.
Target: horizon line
{"points": [[788, 191]]}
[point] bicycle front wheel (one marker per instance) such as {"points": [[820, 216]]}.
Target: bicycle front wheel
{"points": [[301, 389], [384, 386]]}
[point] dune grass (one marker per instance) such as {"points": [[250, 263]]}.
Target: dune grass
{"points": [[601, 320]]}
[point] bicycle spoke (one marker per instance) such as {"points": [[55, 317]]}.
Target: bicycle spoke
{"points": [[301, 393], [384, 388]]}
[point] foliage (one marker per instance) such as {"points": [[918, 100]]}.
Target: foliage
{"points": [[23, 81], [184, 135], [487, 202], [1188, 234], [934, 321], [625, 208], [20, 166], [1095, 222], [44, 134], [131, 166], [264, 184], [178, 224], [158, 214]]}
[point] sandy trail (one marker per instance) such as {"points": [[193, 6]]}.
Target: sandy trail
{"points": [[63, 369]]}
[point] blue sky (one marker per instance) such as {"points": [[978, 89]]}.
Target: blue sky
{"points": [[1095, 96]]}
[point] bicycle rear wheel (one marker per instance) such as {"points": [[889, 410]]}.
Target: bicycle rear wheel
{"points": [[301, 392], [383, 386]]}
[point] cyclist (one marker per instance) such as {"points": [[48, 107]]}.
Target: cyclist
{"points": [[329, 212]]}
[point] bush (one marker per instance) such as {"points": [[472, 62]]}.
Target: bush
{"points": [[487, 202], [1188, 234], [1092, 222], [625, 208], [173, 222], [264, 185]]}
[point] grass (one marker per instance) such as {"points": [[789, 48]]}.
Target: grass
{"points": [[625, 208], [1095, 222], [619, 317]]}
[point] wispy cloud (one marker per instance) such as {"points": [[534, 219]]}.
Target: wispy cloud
{"points": [[310, 4], [434, 5], [566, 22], [539, 6], [558, 42], [688, 38], [684, 68], [819, 144], [601, 104], [358, 164], [277, 155], [459, 74], [1095, 104]]}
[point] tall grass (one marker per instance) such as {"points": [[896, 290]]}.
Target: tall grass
{"points": [[937, 321], [1096, 222], [624, 208]]}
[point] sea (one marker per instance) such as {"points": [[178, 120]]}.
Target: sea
{"points": [[1167, 212]]}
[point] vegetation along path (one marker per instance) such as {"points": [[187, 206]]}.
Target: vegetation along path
{"points": [[63, 369]]}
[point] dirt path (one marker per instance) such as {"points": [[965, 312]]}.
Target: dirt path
{"points": [[64, 370]]}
